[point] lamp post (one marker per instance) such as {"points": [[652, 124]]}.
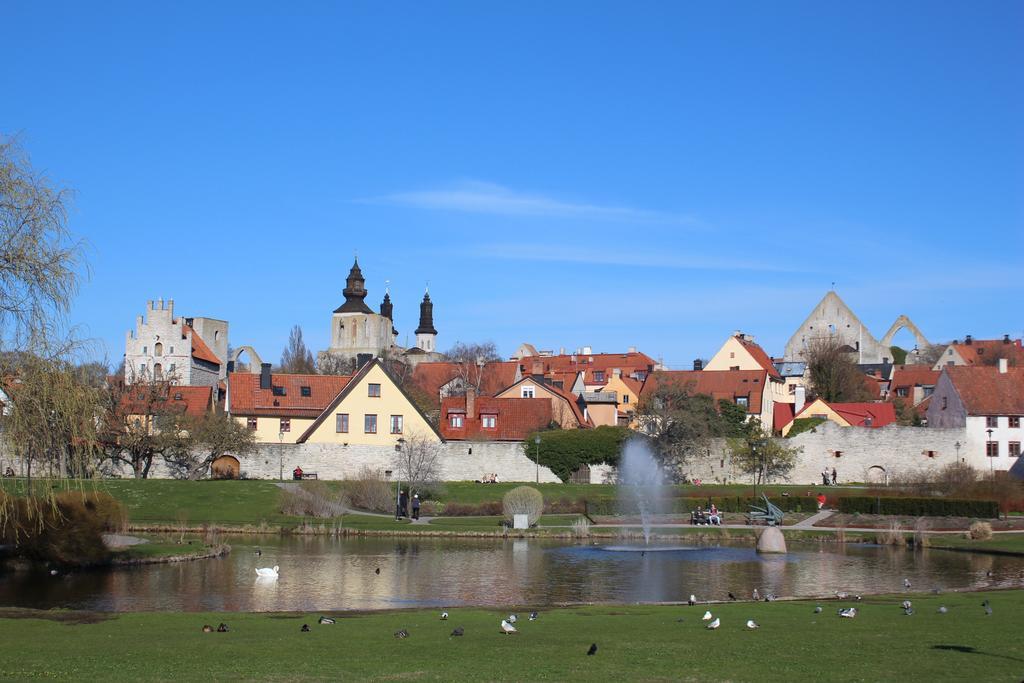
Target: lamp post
{"points": [[991, 464], [753, 451], [536, 455], [280, 455], [398, 480], [957, 447]]}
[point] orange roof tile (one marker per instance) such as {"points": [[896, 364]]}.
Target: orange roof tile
{"points": [[628, 363], [719, 384], [194, 401], [907, 377], [247, 398], [986, 391], [515, 418], [988, 351], [199, 348], [760, 356]]}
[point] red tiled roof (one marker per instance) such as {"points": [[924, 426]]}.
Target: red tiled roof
{"points": [[760, 356], [986, 391], [248, 399], [515, 418], [633, 385], [909, 376], [719, 384], [858, 414], [628, 363], [430, 377], [199, 348], [194, 401], [782, 415], [987, 351], [563, 394]]}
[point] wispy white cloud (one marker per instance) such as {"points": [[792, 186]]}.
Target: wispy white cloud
{"points": [[489, 198], [639, 258]]}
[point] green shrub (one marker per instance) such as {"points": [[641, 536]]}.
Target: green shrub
{"points": [[803, 424], [564, 450], [919, 507]]}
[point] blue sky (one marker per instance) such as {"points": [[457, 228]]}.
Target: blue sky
{"points": [[606, 174]]}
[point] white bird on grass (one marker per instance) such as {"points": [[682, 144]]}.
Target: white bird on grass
{"points": [[444, 616], [714, 624], [507, 628], [848, 613], [751, 624], [512, 618], [267, 572], [906, 604], [707, 616], [942, 609]]}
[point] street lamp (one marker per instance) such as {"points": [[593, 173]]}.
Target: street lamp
{"points": [[991, 465], [398, 480], [957, 447], [536, 455]]}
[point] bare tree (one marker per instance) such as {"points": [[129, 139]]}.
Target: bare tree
{"points": [[296, 358], [330, 364], [762, 456], [833, 374], [39, 259], [210, 436], [140, 423], [418, 461], [470, 365]]}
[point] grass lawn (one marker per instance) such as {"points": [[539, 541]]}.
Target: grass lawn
{"points": [[1007, 542], [634, 643]]}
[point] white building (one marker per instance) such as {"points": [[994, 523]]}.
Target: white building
{"points": [[988, 402], [186, 351]]}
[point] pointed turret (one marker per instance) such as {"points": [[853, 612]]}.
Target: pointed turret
{"points": [[426, 335], [386, 308], [354, 292]]}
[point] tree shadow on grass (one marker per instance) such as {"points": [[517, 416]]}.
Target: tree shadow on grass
{"points": [[974, 651]]}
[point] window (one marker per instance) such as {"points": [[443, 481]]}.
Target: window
{"points": [[742, 401], [930, 454], [625, 398], [490, 421], [928, 391], [734, 367], [373, 390], [341, 423], [252, 423], [792, 388], [178, 396], [992, 449], [172, 367], [158, 349], [305, 391], [992, 421], [1014, 422], [171, 351], [1014, 450], [598, 376], [370, 424], [526, 392], [455, 421], [732, 354], [945, 402], [396, 424], [902, 392], [145, 350], [158, 370], [838, 454], [279, 391], [286, 424]]}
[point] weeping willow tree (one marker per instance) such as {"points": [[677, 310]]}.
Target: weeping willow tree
{"points": [[49, 414]]}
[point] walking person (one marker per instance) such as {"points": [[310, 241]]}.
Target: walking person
{"points": [[415, 506], [833, 476], [403, 504], [824, 477]]}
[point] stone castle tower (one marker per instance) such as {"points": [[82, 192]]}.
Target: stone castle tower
{"points": [[185, 351]]}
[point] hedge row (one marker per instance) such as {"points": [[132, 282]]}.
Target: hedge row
{"points": [[919, 507], [682, 506]]}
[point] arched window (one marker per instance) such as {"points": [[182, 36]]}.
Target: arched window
{"points": [[158, 349], [158, 370]]}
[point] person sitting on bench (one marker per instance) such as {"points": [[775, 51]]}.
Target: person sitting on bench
{"points": [[297, 473]]}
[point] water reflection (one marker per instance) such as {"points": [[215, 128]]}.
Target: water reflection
{"points": [[337, 574]]}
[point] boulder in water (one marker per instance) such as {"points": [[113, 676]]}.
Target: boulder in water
{"points": [[771, 540]]}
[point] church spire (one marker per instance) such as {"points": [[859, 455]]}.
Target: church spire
{"points": [[426, 316], [354, 292], [386, 307]]}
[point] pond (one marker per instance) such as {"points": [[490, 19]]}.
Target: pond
{"points": [[321, 574]]}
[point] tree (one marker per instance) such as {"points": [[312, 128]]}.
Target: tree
{"points": [[930, 354], [418, 461], [906, 415], [330, 364], [681, 423], [470, 362], [210, 436], [39, 260], [139, 423], [760, 455], [296, 358], [834, 376]]}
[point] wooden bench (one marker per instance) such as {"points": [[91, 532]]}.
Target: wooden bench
{"points": [[309, 475]]}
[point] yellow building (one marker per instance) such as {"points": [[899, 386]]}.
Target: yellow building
{"points": [[366, 408], [627, 390]]}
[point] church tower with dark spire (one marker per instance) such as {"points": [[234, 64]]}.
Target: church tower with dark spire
{"points": [[355, 292], [426, 335]]}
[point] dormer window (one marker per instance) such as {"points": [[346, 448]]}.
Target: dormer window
{"points": [[455, 421], [598, 376], [742, 401], [279, 391], [489, 421], [526, 391], [305, 391]]}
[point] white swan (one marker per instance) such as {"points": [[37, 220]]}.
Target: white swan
{"points": [[267, 572]]}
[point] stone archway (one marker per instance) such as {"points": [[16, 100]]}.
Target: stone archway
{"points": [[226, 467], [903, 322], [876, 474], [254, 358]]}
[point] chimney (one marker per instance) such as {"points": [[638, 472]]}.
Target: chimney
{"points": [[231, 366], [538, 368], [587, 351], [968, 340], [616, 372], [1002, 366], [698, 364], [632, 349], [362, 359], [470, 403], [801, 397], [1006, 339], [265, 381]]}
